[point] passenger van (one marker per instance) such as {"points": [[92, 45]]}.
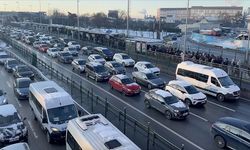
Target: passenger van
{"points": [[95, 132], [210, 80], [52, 107]]}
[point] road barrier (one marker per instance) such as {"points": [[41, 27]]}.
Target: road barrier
{"points": [[139, 132]]}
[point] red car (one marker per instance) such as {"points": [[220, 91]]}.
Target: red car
{"points": [[124, 84], [43, 48]]}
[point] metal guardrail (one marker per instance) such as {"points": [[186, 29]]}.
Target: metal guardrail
{"points": [[119, 117]]}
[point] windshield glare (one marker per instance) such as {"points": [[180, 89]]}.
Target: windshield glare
{"points": [[151, 76], [191, 90], [170, 100], [8, 120], [225, 81], [62, 114], [127, 81]]}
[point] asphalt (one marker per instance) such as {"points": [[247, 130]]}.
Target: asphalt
{"points": [[194, 132]]}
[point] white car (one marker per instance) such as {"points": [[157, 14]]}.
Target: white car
{"points": [[123, 59], [96, 58], [3, 97], [186, 92], [144, 66], [79, 65], [72, 50], [53, 52], [74, 44]]}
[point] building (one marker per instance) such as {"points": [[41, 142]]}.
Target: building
{"points": [[113, 14], [196, 13]]}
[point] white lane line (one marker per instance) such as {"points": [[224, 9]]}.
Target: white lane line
{"points": [[8, 83], [32, 129], [198, 116], [162, 125], [245, 99], [222, 106], [19, 104]]}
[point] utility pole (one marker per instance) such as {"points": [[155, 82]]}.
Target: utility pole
{"points": [[128, 18], [40, 15], [78, 21], [185, 38]]}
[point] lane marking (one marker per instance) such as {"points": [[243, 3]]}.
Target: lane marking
{"points": [[198, 116], [245, 99], [32, 129], [8, 83], [19, 104], [222, 106]]}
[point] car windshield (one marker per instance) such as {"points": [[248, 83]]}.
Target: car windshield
{"points": [[23, 84], [226, 81], [65, 54], [149, 65], [54, 50], [170, 100], [106, 51], [62, 114], [8, 120], [4, 56], [127, 81], [74, 43], [82, 62], [125, 57], [98, 57], [100, 69], [1, 92], [191, 89], [23, 69], [151, 76], [116, 65], [12, 62], [72, 49]]}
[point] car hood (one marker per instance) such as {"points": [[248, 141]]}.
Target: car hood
{"points": [[179, 105], [154, 69], [232, 88], [12, 130], [157, 81], [128, 60], [24, 91], [198, 96]]}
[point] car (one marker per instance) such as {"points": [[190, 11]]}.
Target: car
{"points": [[29, 40], [65, 57], [79, 65], [88, 50], [72, 50], [97, 71], [106, 53], [13, 128], [36, 44], [166, 103], [115, 67], [17, 146], [148, 79], [3, 98], [65, 41], [96, 58], [146, 66], [59, 45], [43, 48], [10, 64], [124, 59], [186, 92], [21, 71], [21, 88], [124, 84], [53, 52], [3, 57], [74, 44], [233, 133]]}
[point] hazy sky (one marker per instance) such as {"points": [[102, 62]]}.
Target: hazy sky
{"points": [[92, 6]]}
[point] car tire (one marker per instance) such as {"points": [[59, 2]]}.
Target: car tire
{"points": [[168, 115], [188, 102], [149, 86], [220, 97], [220, 141], [147, 104], [48, 137]]}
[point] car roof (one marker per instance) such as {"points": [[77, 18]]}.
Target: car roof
{"points": [[179, 82], [94, 64], [244, 125], [161, 92], [8, 109]]}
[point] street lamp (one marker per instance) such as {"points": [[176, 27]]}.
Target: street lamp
{"points": [[248, 43], [185, 38], [128, 18], [78, 22]]}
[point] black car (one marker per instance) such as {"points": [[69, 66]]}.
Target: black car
{"points": [[97, 71], [65, 57], [10, 64], [115, 67], [21, 88], [106, 53], [150, 80], [166, 103], [231, 133], [21, 71], [88, 50]]}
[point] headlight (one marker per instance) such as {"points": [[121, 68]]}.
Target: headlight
{"points": [[54, 129], [4, 100], [176, 111]]}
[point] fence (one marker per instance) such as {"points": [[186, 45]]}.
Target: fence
{"points": [[140, 133]]}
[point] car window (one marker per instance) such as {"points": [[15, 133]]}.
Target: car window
{"points": [[179, 88], [215, 81]]}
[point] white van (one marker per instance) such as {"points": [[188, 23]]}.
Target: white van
{"points": [[210, 80], [95, 132], [17, 146], [52, 107]]}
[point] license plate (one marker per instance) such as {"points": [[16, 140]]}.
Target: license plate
{"points": [[14, 139]]}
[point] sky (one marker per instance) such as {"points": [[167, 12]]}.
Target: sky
{"points": [[137, 7]]}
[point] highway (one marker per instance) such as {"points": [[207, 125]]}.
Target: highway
{"points": [[194, 132]]}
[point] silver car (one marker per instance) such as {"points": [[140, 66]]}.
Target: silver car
{"points": [[3, 98]]}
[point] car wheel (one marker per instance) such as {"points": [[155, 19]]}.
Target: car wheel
{"points": [[73, 69], [220, 141], [48, 137], [147, 104], [168, 115], [220, 97], [149, 86], [188, 102], [135, 69], [87, 74]]}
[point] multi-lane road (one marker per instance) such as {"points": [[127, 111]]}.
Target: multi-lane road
{"points": [[194, 132]]}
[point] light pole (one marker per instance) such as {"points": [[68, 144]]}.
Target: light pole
{"points": [[128, 18], [185, 38], [40, 17], [78, 22], [248, 39]]}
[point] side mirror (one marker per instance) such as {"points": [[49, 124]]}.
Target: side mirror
{"points": [[44, 120]]}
